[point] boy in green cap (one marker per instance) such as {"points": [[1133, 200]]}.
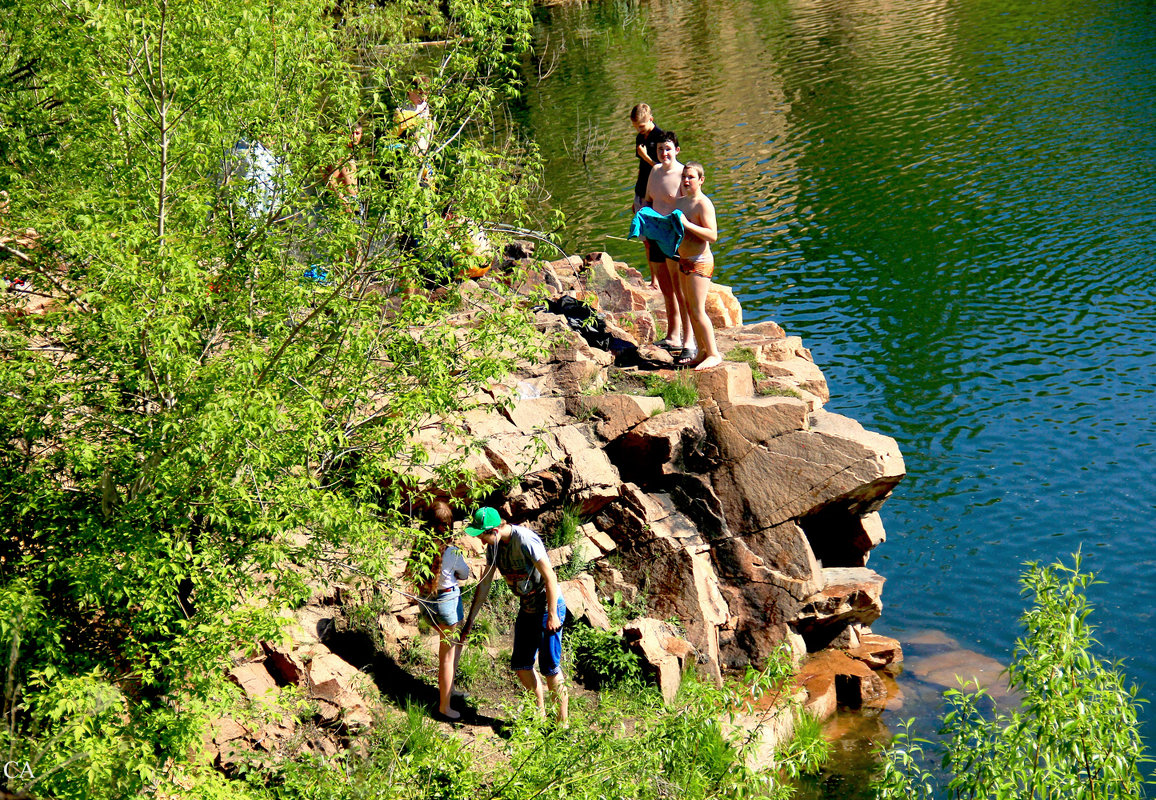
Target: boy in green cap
{"points": [[519, 554]]}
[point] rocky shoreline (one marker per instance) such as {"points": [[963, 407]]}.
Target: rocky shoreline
{"points": [[748, 516]]}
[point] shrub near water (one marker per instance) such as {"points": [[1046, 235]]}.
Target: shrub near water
{"points": [[1073, 735]]}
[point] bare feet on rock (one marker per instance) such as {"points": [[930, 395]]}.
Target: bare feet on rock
{"points": [[708, 362]]}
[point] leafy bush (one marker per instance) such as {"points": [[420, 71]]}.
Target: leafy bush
{"points": [[620, 610], [1074, 734], [414, 654], [575, 565], [601, 658], [406, 759], [209, 430], [627, 745], [473, 663], [566, 532]]}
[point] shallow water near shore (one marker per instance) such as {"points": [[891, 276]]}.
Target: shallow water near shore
{"points": [[953, 204]]}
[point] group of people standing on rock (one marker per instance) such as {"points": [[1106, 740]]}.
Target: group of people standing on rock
{"points": [[677, 223], [519, 554]]}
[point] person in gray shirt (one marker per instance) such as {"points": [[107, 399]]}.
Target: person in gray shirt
{"points": [[519, 554]]}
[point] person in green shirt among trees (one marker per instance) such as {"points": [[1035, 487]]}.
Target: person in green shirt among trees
{"points": [[519, 554]]}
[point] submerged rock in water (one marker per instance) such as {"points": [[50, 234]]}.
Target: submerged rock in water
{"points": [[955, 668]]}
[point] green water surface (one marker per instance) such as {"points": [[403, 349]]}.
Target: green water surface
{"points": [[952, 202]]}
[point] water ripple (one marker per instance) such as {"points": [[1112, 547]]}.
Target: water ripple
{"points": [[953, 204]]}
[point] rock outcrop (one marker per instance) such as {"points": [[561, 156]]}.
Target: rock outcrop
{"points": [[749, 515]]}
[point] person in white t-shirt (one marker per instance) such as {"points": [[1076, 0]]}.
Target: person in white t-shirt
{"points": [[444, 604]]}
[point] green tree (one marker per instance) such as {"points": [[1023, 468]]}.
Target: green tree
{"points": [[192, 427], [1073, 735]]}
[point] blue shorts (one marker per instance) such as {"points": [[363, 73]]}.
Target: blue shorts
{"points": [[531, 638], [446, 608]]}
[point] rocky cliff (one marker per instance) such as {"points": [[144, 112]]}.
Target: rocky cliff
{"points": [[748, 515]]}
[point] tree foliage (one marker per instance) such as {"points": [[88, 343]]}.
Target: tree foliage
{"points": [[220, 398], [1073, 735]]}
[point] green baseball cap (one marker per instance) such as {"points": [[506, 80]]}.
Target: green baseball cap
{"points": [[484, 519]]}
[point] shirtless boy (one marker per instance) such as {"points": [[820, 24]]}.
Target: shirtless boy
{"points": [[662, 190], [696, 263]]}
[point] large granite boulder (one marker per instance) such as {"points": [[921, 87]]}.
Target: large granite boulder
{"points": [[766, 579], [729, 382], [510, 451], [618, 296], [594, 480], [841, 537], [834, 461], [762, 419], [582, 602], [881, 653], [657, 446], [681, 582], [800, 373], [615, 413], [833, 679], [534, 492], [722, 307], [849, 596], [664, 654], [254, 679], [535, 413]]}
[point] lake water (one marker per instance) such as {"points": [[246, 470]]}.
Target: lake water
{"points": [[954, 204]]}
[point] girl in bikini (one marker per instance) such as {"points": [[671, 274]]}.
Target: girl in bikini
{"points": [[696, 263]]}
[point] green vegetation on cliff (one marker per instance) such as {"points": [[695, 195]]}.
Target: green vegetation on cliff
{"points": [[628, 746], [192, 427]]}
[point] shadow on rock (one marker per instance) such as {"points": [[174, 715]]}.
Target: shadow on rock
{"points": [[398, 684]]}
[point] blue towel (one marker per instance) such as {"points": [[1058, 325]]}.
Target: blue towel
{"points": [[664, 230]]}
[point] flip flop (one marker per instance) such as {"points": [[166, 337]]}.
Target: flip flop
{"points": [[668, 344]]}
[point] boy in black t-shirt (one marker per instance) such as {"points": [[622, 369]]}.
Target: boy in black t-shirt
{"points": [[646, 149]]}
